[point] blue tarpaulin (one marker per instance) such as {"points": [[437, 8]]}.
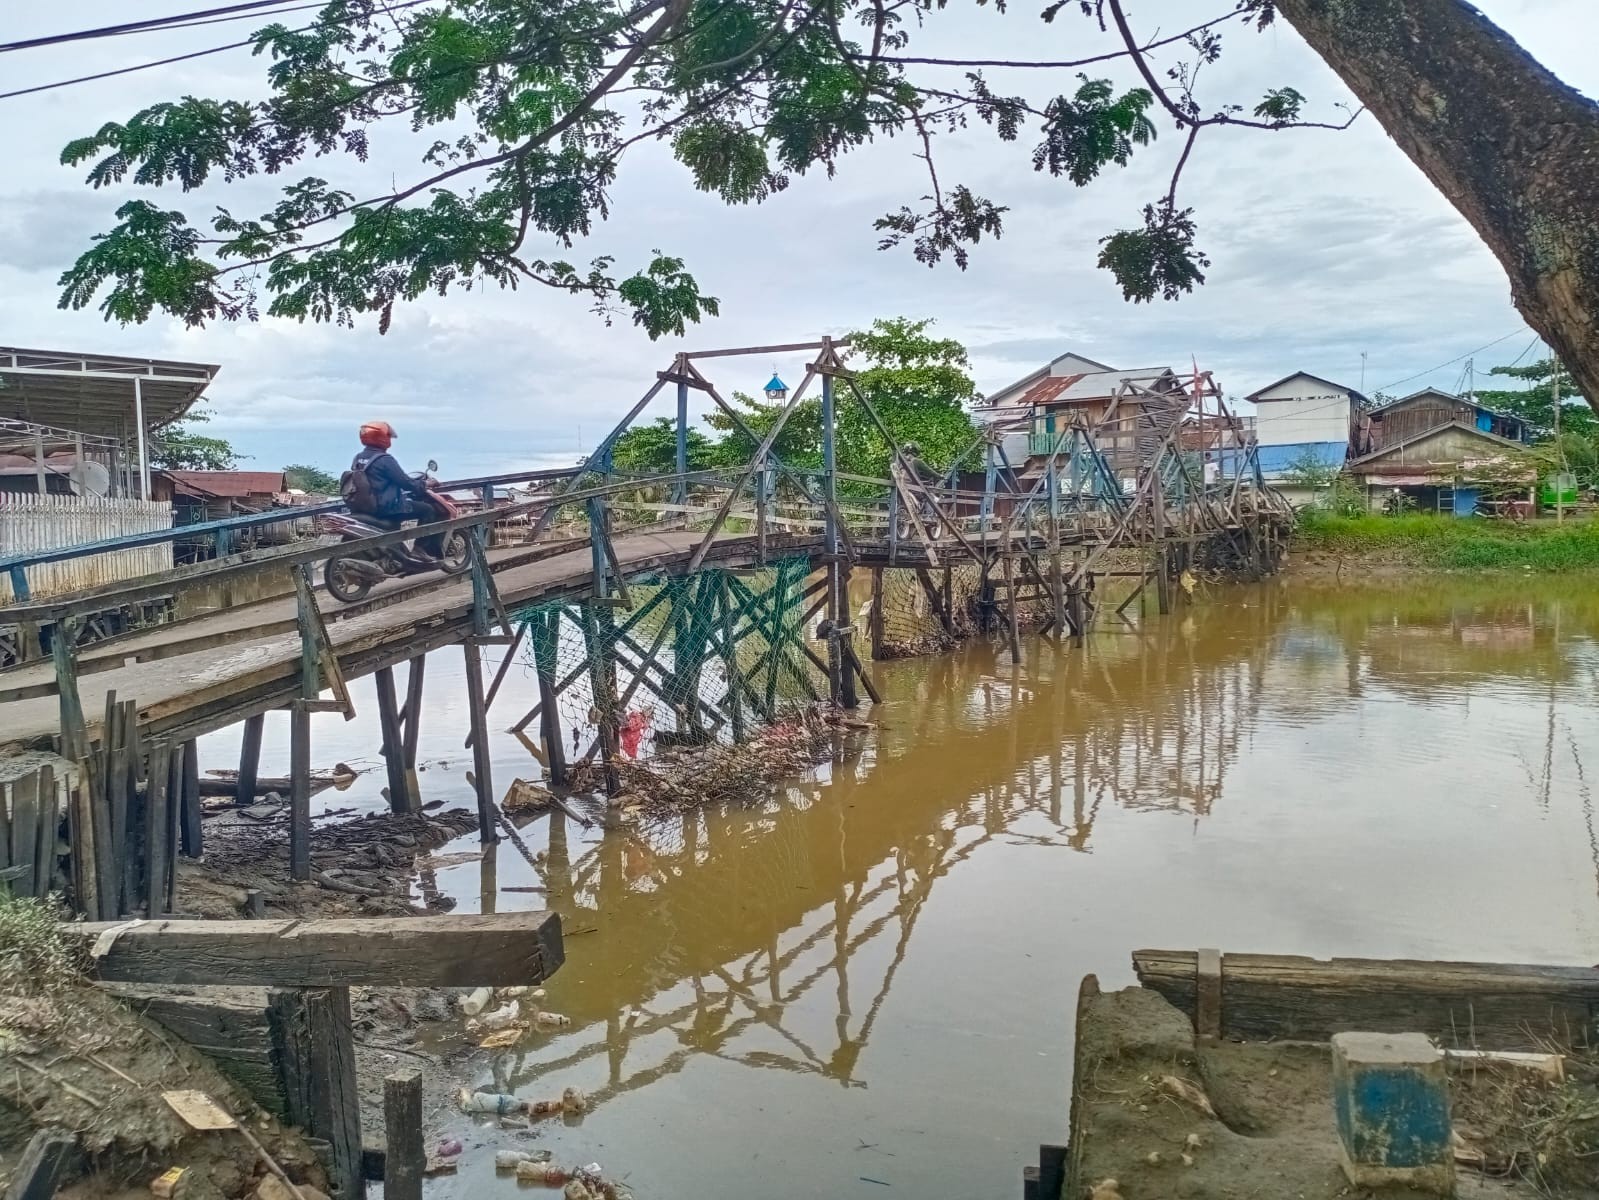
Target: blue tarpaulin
{"points": [[1277, 461]]}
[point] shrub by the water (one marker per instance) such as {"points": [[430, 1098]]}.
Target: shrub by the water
{"points": [[1460, 543]]}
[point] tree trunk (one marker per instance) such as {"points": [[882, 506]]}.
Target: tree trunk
{"points": [[1511, 146]]}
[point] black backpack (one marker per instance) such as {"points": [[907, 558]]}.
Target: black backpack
{"points": [[356, 489]]}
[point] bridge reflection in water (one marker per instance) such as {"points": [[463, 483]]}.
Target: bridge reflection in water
{"points": [[1255, 774]]}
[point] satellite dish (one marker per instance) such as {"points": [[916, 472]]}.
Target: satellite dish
{"points": [[89, 479]]}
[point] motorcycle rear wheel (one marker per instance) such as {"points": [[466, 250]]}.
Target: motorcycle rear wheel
{"points": [[457, 555], [345, 581]]}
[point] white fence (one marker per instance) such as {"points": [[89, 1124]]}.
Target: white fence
{"points": [[29, 523]]}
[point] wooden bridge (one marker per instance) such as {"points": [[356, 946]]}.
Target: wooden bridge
{"points": [[699, 587]]}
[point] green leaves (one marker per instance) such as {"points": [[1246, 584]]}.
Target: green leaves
{"points": [[182, 142], [519, 117], [151, 260], [727, 160], [948, 228], [1159, 259], [1281, 105], [665, 299], [1089, 131]]}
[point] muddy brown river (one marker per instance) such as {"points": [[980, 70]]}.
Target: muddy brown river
{"points": [[865, 987]]}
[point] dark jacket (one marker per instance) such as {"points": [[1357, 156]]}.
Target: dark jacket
{"points": [[392, 488]]}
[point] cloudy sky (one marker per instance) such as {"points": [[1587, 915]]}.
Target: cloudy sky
{"points": [[1326, 247]]}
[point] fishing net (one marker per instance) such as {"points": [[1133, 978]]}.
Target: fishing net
{"points": [[668, 661]]}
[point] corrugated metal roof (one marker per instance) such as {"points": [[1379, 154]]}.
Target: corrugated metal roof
{"points": [[1085, 388], [229, 484]]}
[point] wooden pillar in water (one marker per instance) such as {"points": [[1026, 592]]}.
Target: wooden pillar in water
{"points": [[190, 823], [393, 745], [482, 762], [300, 791], [250, 758], [598, 642], [412, 732], [1162, 556], [846, 683], [876, 614], [546, 634], [735, 681]]}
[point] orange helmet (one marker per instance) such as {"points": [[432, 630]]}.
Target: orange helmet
{"points": [[379, 434]]}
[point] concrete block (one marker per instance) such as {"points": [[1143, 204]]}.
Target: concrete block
{"points": [[1391, 1097]]}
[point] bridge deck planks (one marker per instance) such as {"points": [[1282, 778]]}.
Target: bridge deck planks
{"points": [[209, 688]]}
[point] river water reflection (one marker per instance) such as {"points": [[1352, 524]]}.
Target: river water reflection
{"points": [[868, 982]]}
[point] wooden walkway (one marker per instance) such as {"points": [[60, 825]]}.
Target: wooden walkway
{"points": [[209, 672]]}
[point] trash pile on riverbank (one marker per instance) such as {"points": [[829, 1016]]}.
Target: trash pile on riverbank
{"points": [[676, 780], [1160, 1116], [79, 1062], [362, 867]]}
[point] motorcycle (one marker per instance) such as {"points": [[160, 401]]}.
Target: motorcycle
{"points": [[351, 577]]}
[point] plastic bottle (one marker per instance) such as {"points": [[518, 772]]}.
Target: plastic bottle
{"points": [[477, 1001], [551, 1020], [500, 1018], [489, 1102], [510, 1160]]}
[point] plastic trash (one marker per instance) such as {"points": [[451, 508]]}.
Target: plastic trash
{"points": [[500, 1018], [510, 1160], [449, 1148], [552, 1020], [543, 1108], [497, 1103], [513, 993], [576, 1189], [477, 1001], [574, 1101], [529, 1171], [503, 1040]]}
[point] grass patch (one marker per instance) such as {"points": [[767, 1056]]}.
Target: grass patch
{"points": [[1458, 543], [34, 956]]}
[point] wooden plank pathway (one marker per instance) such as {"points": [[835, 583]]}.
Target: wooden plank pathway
{"points": [[185, 694]]}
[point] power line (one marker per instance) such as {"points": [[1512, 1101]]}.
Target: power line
{"points": [[1452, 361], [175, 20], [177, 58]]}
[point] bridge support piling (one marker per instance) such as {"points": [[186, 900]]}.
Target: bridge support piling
{"points": [[192, 830], [250, 758], [599, 642], [412, 727], [300, 791], [393, 743], [735, 696], [482, 763], [546, 636]]}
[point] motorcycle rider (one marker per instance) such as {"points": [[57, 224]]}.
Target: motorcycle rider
{"points": [[392, 495]]}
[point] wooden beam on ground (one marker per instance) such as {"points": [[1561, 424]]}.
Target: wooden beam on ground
{"points": [[1497, 1006], [315, 1045], [447, 951]]}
